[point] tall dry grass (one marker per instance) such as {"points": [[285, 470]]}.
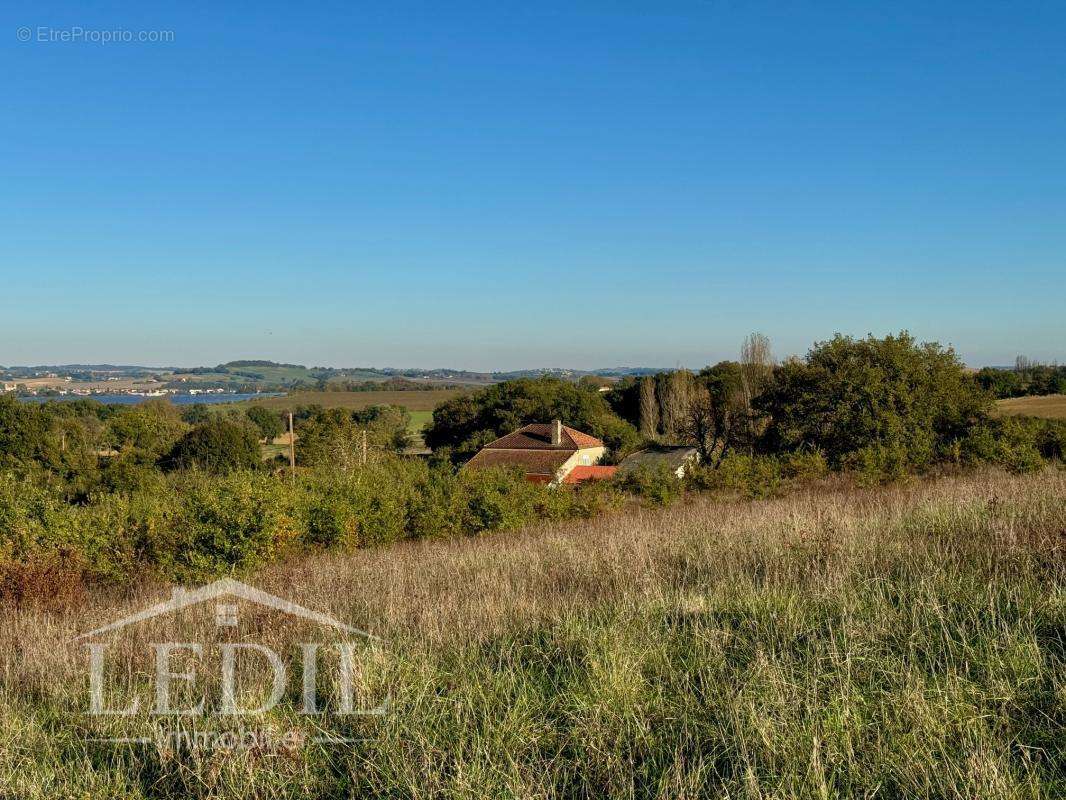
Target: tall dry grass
{"points": [[901, 641]]}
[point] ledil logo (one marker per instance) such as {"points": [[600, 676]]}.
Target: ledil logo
{"points": [[195, 670]]}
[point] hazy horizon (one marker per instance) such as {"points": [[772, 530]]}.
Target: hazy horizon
{"points": [[372, 364]]}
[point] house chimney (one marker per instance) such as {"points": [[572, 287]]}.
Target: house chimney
{"points": [[557, 433]]}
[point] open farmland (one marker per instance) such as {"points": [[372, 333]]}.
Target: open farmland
{"points": [[1052, 406]]}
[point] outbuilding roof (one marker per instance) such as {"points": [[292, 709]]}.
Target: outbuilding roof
{"points": [[672, 457]]}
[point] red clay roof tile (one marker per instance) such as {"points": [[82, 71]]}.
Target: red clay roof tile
{"points": [[543, 462], [582, 473], [538, 436]]}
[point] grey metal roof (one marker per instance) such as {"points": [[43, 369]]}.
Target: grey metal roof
{"points": [[671, 456]]}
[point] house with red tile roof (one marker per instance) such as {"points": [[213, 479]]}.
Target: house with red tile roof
{"points": [[546, 453]]}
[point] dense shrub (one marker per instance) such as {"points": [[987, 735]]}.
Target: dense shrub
{"points": [[495, 499], [195, 525], [804, 465], [879, 463], [656, 485], [1019, 444], [750, 476], [225, 524]]}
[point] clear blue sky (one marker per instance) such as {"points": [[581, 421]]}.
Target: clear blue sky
{"points": [[504, 185]]}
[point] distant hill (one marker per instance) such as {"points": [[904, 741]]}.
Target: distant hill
{"points": [[263, 373]]}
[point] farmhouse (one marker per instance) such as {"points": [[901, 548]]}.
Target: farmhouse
{"points": [[547, 453]]}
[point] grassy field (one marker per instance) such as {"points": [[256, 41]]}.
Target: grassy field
{"points": [[905, 641], [1052, 406]]}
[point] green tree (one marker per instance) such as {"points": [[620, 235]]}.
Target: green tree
{"points": [[23, 434], [388, 426], [336, 437], [1001, 382], [268, 422], [146, 431], [897, 397], [219, 445], [196, 413], [649, 408]]}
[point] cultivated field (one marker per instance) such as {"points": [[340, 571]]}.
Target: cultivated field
{"points": [[1052, 406], [899, 642]]}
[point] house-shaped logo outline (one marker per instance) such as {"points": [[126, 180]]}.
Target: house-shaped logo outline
{"points": [[226, 587]]}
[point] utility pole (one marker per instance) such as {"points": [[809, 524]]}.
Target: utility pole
{"points": [[292, 451]]}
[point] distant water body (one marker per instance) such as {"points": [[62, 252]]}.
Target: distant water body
{"points": [[176, 399]]}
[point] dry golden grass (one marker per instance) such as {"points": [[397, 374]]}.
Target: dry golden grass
{"points": [[898, 641], [1052, 406]]}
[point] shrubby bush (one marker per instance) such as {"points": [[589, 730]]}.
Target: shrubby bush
{"points": [[193, 525], [749, 476], [804, 465], [656, 485], [1018, 444], [220, 525], [879, 463]]}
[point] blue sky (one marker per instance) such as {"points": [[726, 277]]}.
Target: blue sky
{"points": [[506, 185]]}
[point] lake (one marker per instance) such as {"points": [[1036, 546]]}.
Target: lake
{"points": [[176, 399]]}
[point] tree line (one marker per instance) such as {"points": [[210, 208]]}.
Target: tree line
{"points": [[888, 404], [109, 492], [1027, 378]]}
